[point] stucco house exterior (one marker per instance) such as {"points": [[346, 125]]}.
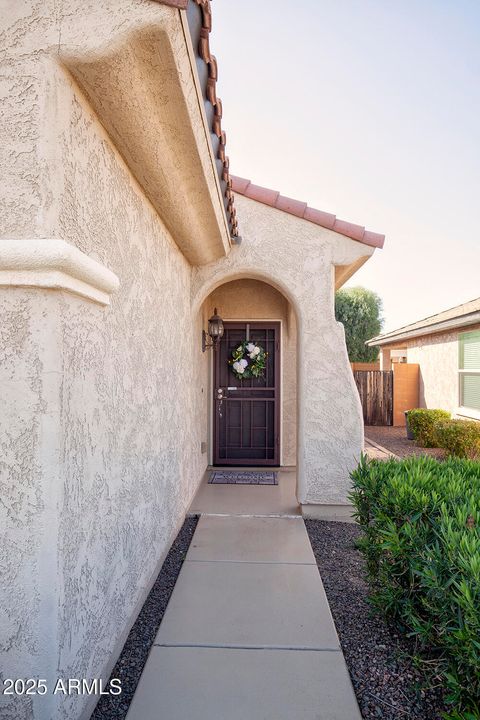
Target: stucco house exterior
{"points": [[446, 347], [121, 231]]}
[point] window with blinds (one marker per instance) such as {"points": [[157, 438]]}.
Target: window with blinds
{"points": [[469, 370]]}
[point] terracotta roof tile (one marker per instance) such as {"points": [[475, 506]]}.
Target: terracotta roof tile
{"points": [[217, 125], [356, 232], [263, 195], [242, 186], [326, 220], [213, 68], [204, 46], [374, 239], [206, 15], [294, 207], [211, 93]]}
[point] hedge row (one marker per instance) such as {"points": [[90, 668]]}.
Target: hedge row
{"points": [[421, 523], [435, 428]]}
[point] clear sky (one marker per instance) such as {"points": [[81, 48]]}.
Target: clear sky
{"points": [[369, 109]]}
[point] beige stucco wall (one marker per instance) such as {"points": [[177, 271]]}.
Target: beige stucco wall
{"points": [[438, 357], [30, 368], [100, 449], [298, 259], [254, 300]]}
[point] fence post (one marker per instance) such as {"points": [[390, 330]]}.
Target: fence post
{"points": [[405, 390]]}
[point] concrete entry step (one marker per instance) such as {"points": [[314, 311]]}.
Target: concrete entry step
{"points": [[248, 632], [273, 500]]}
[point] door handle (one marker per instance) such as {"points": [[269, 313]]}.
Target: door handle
{"points": [[220, 401]]}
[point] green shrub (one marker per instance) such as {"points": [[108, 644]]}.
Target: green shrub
{"points": [[460, 437], [421, 525], [423, 423]]}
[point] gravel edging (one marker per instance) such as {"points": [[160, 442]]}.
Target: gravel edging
{"points": [[130, 664], [394, 439], [386, 683]]}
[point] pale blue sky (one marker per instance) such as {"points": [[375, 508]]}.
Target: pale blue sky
{"points": [[369, 109]]}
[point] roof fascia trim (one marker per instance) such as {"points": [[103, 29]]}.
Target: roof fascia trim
{"points": [[452, 324]]}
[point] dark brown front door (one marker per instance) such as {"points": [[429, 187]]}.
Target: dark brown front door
{"points": [[247, 412]]}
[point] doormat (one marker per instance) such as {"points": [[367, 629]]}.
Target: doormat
{"points": [[243, 477]]}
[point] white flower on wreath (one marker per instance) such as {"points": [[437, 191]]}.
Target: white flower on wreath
{"points": [[253, 351], [240, 365]]}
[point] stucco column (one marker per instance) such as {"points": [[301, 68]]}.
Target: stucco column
{"points": [[330, 432], [385, 359], [30, 487]]}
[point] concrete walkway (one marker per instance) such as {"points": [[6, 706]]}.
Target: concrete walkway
{"points": [[378, 452], [248, 633], [272, 500]]}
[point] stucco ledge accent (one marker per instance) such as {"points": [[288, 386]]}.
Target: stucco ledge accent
{"points": [[55, 264]]}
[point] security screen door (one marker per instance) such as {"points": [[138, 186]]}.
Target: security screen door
{"points": [[247, 412]]}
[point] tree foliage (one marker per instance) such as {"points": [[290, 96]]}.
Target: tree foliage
{"points": [[359, 311]]}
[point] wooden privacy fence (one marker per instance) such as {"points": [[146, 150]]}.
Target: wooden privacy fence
{"points": [[375, 388], [365, 366]]}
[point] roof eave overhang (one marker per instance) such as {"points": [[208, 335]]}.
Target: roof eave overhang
{"points": [[343, 273], [144, 90], [452, 324]]}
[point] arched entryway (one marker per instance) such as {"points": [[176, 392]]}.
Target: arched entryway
{"points": [[253, 422], [328, 420]]}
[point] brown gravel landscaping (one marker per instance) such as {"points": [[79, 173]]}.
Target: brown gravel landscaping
{"points": [[395, 440], [386, 683]]}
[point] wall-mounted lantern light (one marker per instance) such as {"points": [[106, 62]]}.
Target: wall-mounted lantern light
{"points": [[215, 332]]}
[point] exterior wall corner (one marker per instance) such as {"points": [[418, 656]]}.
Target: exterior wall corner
{"points": [[31, 488]]}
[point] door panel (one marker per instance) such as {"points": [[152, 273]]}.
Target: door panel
{"points": [[247, 412]]}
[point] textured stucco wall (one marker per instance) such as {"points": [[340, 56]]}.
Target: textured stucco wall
{"points": [[251, 300], [101, 444], [131, 59], [298, 259], [133, 415], [438, 357], [438, 360], [30, 368]]}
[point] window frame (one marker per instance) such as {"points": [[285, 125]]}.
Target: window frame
{"points": [[464, 410]]}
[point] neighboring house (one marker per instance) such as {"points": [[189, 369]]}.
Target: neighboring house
{"points": [[120, 234], [447, 349]]}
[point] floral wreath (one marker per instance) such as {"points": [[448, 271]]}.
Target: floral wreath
{"points": [[248, 360]]}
